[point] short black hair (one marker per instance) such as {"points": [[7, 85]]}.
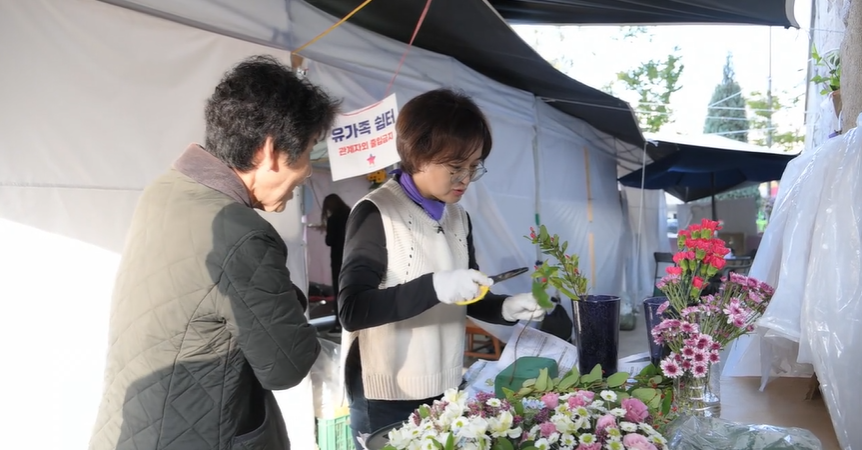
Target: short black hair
{"points": [[258, 98], [441, 126]]}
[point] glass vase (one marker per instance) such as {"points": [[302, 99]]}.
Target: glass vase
{"points": [[700, 397]]}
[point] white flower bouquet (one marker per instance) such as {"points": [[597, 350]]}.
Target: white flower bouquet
{"points": [[577, 420]]}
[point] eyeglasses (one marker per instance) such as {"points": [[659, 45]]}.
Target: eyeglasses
{"points": [[474, 173]]}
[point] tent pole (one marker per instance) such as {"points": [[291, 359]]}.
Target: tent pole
{"points": [[537, 171], [714, 214], [590, 218]]}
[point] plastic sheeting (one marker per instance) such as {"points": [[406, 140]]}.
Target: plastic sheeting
{"points": [[812, 253], [707, 433]]}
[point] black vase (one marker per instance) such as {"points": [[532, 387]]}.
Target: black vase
{"points": [[597, 332], [657, 352]]}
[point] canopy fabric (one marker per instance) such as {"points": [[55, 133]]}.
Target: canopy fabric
{"points": [[615, 12], [474, 34], [690, 172]]}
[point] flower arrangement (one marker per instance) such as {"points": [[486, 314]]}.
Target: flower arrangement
{"points": [[377, 178], [573, 412], [564, 275], [699, 326]]}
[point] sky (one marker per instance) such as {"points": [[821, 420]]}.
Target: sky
{"points": [[595, 54]]}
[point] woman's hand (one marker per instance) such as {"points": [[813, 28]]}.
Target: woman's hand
{"points": [[459, 285], [523, 307]]}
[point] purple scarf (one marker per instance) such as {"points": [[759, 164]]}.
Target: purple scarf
{"points": [[434, 208]]}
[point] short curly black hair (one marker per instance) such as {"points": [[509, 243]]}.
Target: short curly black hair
{"points": [[259, 98]]}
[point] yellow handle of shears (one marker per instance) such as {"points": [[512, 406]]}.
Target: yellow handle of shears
{"points": [[483, 290]]}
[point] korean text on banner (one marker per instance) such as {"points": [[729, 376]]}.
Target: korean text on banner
{"points": [[363, 141]]}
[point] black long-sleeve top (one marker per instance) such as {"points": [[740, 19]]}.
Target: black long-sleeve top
{"points": [[361, 302]]}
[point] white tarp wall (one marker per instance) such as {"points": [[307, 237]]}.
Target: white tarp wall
{"points": [[97, 100]]}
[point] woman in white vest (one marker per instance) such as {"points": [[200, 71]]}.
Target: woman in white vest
{"points": [[409, 258]]}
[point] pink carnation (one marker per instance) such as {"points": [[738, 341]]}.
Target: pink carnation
{"points": [[637, 442], [636, 410]]}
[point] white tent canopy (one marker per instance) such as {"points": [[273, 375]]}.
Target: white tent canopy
{"points": [[97, 100]]}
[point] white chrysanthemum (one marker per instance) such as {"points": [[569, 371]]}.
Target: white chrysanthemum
{"points": [[658, 439], [582, 411], [614, 434], [618, 412], [587, 438], [565, 397], [494, 402], [562, 409], [567, 440], [597, 404], [628, 427], [649, 430], [542, 444], [534, 432], [614, 445], [609, 396]]}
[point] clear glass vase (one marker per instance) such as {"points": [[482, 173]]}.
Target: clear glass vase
{"points": [[700, 397]]}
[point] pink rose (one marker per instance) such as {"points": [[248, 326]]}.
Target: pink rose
{"points": [[551, 399], [593, 446], [637, 442], [606, 421], [636, 411]]}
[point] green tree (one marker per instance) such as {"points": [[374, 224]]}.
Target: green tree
{"points": [[763, 124], [653, 81], [725, 114]]}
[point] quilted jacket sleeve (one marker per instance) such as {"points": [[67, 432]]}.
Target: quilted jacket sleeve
{"points": [[262, 310]]}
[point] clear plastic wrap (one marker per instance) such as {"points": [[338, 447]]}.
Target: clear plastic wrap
{"points": [[812, 254], [707, 433], [327, 380]]}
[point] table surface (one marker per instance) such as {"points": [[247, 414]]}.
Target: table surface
{"points": [[781, 404]]}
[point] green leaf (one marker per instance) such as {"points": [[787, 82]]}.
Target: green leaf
{"points": [[544, 301], [530, 383], [667, 402], [424, 411], [523, 392], [542, 381], [644, 394], [622, 396], [593, 376], [450, 442], [649, 370], [656, 379], [503, 444], [617, 379], [568, 381], [389, 447]]}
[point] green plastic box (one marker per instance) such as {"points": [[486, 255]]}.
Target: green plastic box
{"points": [[523, 368]]}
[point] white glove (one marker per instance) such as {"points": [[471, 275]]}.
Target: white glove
{"points": [[523, 307], [459, 285]]}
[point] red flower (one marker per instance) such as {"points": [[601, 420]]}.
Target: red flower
{"points": [[674, 270], [678, 257], [697, 282], [718, 262]]}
